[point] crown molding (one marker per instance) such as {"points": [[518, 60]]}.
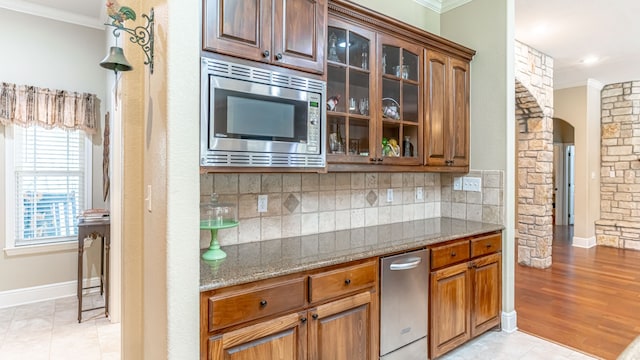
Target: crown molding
{"points": [[452, 4], [441, 6], [433, 5], [52, 13]]}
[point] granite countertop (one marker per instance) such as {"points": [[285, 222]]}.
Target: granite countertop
{"points": [[266, 259]]}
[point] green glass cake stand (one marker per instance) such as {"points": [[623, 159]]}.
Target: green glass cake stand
{"points": [[214, 252]]}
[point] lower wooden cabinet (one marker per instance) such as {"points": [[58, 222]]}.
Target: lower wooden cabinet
{"points": [[465, 297], [281, 338], [449, 308], [486, 285], [256, 321], [341, 330]]}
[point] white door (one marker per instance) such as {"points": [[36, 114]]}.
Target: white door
{"points": [[558, 184], [570, 182]]}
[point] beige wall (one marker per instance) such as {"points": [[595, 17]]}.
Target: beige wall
{"points": [[562, 131], [580, 107], [160, 141], [487, 27], [51, 54], [410, 12]]}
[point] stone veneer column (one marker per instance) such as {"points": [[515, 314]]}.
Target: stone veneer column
{"points": [[534, 108], [619, 225]]}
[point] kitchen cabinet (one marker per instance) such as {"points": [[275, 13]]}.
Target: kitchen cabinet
{"points": [[377, 83], [340, 330], [447, 114], [288, 33], [466, 291], [329, 313], [396, 129]]}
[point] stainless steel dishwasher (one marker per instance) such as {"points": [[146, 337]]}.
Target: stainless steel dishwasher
{"points": [[404, 306]]}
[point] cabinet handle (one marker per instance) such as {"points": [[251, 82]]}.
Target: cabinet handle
{"points": [[278, 56], [263, 303], [488, 246], [347, 282], [304, 320], [373, 159], [379, 159], [314, 316], [266, 53], [453, 254]]}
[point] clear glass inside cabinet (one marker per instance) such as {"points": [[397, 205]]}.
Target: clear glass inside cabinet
{"points": [[348, 95]]}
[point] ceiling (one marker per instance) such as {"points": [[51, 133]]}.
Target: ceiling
{"points": [[571, 30], [567, 30]]}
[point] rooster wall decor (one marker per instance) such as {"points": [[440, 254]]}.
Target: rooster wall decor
{"points": [[141, 35]]}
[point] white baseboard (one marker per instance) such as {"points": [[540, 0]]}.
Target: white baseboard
{"points": [[509, 321], [34, 294], [584, 242]]}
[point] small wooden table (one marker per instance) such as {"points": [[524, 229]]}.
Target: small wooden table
{"points": [[94, 228]]}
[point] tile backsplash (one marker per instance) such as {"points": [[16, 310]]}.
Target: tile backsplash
{"points": [[301, 204]]}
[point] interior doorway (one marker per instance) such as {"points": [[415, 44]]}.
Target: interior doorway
{"points": [[563, 183], [563, 172]]}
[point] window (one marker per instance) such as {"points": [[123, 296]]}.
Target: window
{"points": [[48, 177]]}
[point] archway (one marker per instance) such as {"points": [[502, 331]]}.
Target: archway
{"points": [[535, 180]]}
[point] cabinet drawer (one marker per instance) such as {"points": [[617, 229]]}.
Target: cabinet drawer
{"points": [[449, 254], [486, 245], [338, 282], [238, 307]]}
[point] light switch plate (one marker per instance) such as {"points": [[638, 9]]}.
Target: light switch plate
{"points": [[471, 183], [457, 183], [419, 193], [263, 202], [389, 195]]}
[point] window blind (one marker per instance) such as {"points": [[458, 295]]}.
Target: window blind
{"points": [[49, 167]]}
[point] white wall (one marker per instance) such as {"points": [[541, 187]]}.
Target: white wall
{"points": [[51, 54], [488, 27]]}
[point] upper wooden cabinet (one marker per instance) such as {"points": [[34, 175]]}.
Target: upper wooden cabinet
{"points": [[447, 111], [417, 114], [289, 33]]}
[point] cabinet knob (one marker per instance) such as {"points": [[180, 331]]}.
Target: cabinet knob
{"points": [[263, 303], [266, 53], [314, 316], [379, 159], [347, 282], [488, 246], [304, 319], [278, 56], [453, 254]]}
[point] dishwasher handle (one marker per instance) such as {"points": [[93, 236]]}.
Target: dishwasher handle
{"points": [[405, 264]]}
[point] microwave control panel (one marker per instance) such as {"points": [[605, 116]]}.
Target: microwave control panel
{"points": [[313, 124]]}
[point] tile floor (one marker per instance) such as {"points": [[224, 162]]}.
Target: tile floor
{"points": [[495, 345], [50, 331]]}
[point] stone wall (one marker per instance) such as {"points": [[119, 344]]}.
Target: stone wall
{"points": [[534, 111], [619, 224]]}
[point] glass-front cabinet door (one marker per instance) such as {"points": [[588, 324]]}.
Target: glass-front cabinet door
{"points": [[400, 90], [350, 80]]}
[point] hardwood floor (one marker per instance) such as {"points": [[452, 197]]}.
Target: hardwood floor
{"points": [[588, 300]]}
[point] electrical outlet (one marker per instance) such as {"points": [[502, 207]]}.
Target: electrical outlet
{"points": [[389, 195], [457, 183], [419, 193], [471, 183], [263, 203]]}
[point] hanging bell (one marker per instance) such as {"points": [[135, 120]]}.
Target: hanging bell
{"points": [[116, 61]]}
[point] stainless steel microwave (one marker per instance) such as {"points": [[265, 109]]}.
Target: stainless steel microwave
{"points": [[256, 117]]}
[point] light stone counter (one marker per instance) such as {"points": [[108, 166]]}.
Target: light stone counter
{"points": [[632, 352], [266, 259]]}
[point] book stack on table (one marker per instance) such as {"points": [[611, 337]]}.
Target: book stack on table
{"points": [[94, 215]]}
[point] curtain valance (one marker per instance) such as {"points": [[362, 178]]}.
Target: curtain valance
{"points": [[29, 105]]}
